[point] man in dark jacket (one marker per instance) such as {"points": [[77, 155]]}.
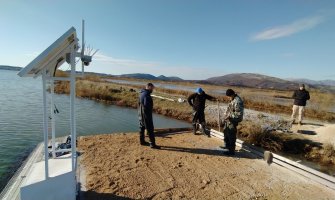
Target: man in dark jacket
{"points": [[145, 106], [300, 97], [197, 101]]}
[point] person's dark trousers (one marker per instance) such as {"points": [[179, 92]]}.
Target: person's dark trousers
{"points": [[200, 117], [151, 135], [142, 136], [230, 137]]}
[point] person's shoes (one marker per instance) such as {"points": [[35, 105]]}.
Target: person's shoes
{"points": [[145, 143], [223, 147], [229, 153], [206, 132], [155, 147]]}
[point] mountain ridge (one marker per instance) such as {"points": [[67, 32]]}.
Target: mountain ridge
{"points": [[150, 77], [8, 67]]}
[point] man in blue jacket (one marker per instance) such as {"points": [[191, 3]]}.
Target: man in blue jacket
{"points": [[300, 97], [145, 107]]}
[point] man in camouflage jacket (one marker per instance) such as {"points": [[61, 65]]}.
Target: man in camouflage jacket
{"points": [[233, 116]]}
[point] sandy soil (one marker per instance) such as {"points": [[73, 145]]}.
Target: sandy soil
{"points": [[187, 167], [318, 132]]}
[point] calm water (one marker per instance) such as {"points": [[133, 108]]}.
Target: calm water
{"points": [[21, 119]]}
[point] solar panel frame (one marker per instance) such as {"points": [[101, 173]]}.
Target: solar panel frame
{"points": [[53, 56]]}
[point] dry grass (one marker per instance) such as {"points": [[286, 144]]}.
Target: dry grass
{"points": [[263, 99], [324, 155], [253, 133], [323, 100], [60, 73], [94, 88]]}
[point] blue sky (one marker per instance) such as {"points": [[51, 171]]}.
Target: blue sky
{"points": [[192, 39]]}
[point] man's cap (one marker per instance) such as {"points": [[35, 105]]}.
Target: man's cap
{"points": [[199, 90], [150, 85], [302, 85], [230, 92]]}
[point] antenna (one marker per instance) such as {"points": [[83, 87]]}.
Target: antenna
{"points": [[85, 59], [83, 44]]}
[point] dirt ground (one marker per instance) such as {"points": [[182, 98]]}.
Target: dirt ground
{"points": [[187, 167], [318, 132]]}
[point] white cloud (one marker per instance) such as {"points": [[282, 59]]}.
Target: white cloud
{"points": [[116, 66], [123, 62], [289, 29]]}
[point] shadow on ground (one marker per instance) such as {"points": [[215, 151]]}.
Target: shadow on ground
{"points": [[212, 152], [313, 124], [306, 132], [92, 195]]}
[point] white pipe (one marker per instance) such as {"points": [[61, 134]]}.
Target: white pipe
{"points": [[72, 104], [59, 78], [53, 126], [160, 97], [299, 168], [219, 124], [63, 150], [82, 38], [45, 125], [83, 45]]}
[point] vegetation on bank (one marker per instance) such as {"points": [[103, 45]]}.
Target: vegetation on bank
{"points": [[124, 95], [273, 141]]}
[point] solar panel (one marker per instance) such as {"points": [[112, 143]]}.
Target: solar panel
{"points": [[52, 57]]}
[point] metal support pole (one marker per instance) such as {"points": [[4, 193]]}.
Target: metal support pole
{"points": [[45, 125], [219, 116], [72, 107], [83, 46], [53, 126]]}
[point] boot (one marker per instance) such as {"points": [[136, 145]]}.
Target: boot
{"points": [[154, 146], [194, 129], [144, 143], [205, 131]]}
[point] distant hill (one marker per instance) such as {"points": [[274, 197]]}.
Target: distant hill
{"points": [[139, 76], [88, 73], [253, 80], [6, 67], [151, 77], [313, 82], [169, 78]]}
